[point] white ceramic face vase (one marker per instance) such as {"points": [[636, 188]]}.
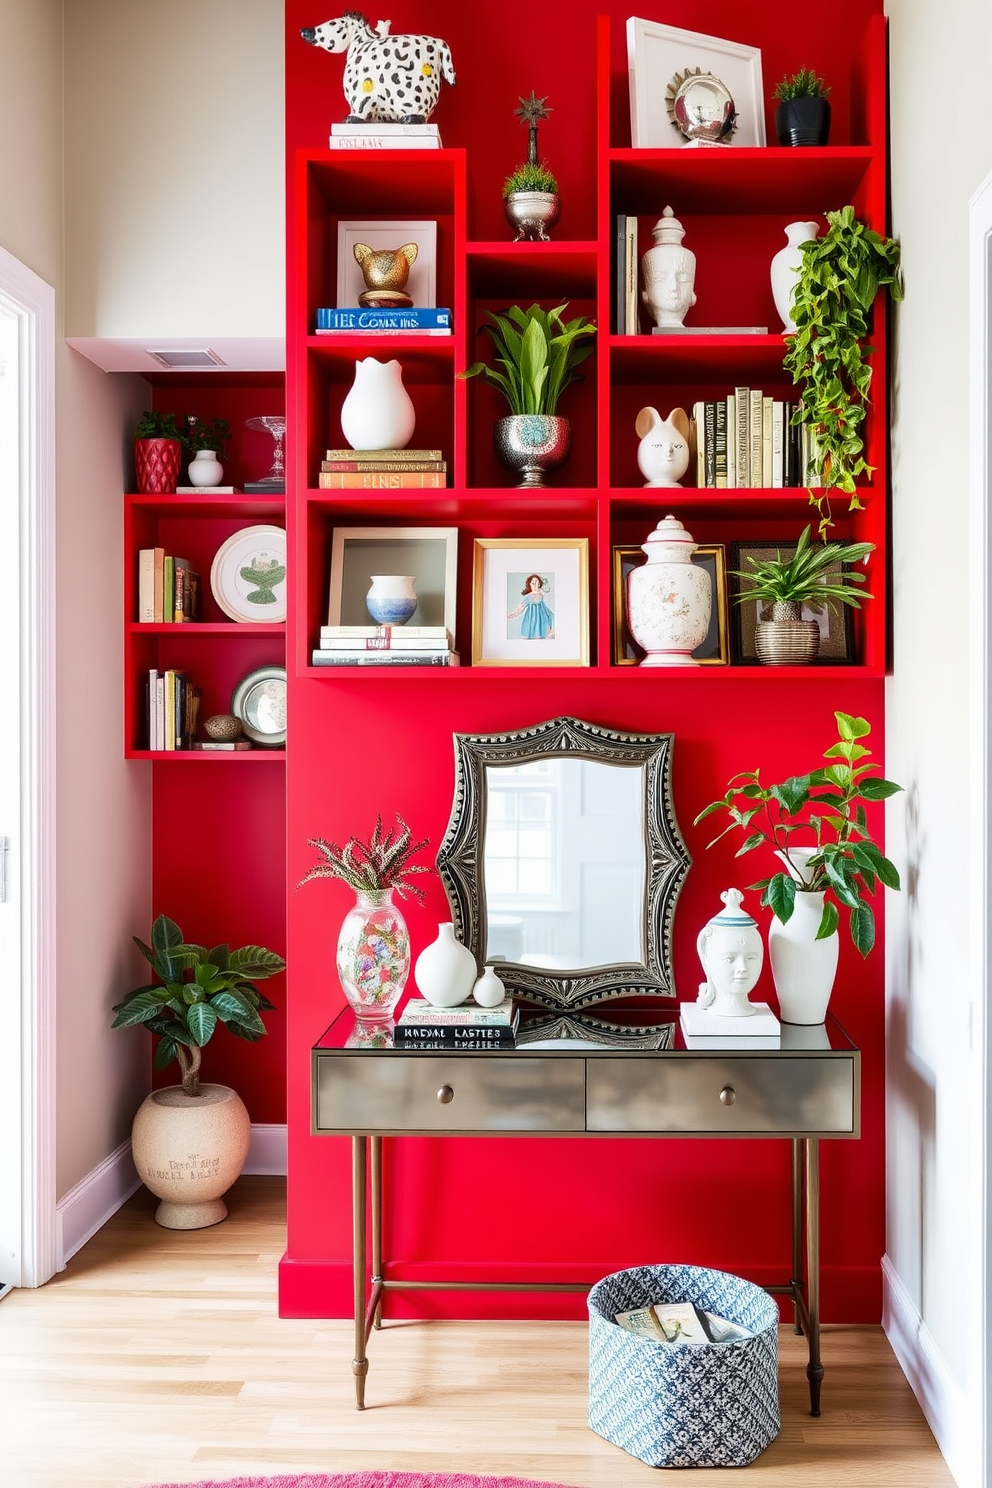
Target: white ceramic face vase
{"points": [[732, 953], [663, 453]]}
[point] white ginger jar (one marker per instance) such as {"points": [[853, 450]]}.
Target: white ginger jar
{"points": [[785, 266], [669, 598], [803, 968], [489, 990], [669, 273], [663, 453], [730, 948], [378, 412], [445, 972]]}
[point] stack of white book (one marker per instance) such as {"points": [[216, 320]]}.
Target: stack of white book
{"points": [[384, 645], [378, 136]]}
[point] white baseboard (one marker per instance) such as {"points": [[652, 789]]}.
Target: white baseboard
{"points": [[955, 1425], [88, 1206]]}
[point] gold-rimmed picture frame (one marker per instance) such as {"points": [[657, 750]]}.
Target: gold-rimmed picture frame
{"points": [[530, 601], [715, 649]]}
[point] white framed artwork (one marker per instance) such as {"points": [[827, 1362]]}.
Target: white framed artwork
{"points": [[430, 554], [656, 53]]}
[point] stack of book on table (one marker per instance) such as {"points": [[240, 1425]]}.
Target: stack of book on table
{"points": [[378, 136], [383, 320], [382, 470], [384, 645], [421, 1025]]}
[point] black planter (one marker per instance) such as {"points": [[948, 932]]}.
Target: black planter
{"points": [[803, 121]]}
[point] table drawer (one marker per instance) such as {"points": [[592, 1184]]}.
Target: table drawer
{"points": [[701, 1094], [503, 1095]]}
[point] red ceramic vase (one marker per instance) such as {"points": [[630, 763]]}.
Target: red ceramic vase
{"points": [[156, 465]]}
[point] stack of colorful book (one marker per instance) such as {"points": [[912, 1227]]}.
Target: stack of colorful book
{"points": [[168, 589], [383, 470], [384, 645], [382, 320], [421, 1025], [378, 136], [171, 707]]}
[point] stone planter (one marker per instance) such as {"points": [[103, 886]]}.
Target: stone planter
{"points": [[189, 1149]]}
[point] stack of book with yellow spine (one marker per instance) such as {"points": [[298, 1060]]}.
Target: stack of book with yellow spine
{"points": [[382, 470]]}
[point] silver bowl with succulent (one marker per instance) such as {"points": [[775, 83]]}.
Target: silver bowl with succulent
{"points": [[530, 193]]}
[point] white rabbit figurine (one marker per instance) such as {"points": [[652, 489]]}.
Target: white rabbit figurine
{"points": [[663, 453]]}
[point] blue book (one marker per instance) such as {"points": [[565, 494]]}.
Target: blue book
{"points": [[354, 318]]}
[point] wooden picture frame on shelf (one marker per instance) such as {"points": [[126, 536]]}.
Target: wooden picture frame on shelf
{"points": [[430, 554], [715, 649], [509, 627], [656, 53], [834, 620], [421, 285]]}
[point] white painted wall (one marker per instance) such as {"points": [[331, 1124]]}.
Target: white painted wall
{"points": [[939, 158], [175, 181]]}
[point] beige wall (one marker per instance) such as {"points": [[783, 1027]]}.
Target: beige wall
{"points": [[175, 196], [31, 134], [938, 162]]}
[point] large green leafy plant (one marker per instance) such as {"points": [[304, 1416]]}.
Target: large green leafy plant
{"points": [[538, 352], [813, 576], [836, 284], [196, 990], [829, 805]]}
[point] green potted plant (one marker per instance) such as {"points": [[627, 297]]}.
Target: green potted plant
{"points": [[537, 354], [814, 576], [203, 443], [530, 193], [190, 1141], [157, 452], [838, 278], [835, 865], [803, 113]]}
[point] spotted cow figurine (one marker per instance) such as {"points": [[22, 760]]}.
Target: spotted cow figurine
{"points": [[387, 79]]}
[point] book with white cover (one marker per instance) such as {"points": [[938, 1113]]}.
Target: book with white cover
{"points": [[699, 1020], [419, 1010]]}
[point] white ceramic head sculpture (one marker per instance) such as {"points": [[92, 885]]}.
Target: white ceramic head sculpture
{"points": [[663, 453], [732, 953]]}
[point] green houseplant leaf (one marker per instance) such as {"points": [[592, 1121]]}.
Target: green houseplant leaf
{"points": [[538, 354]]}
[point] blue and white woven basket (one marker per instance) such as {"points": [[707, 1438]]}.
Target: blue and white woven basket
{"points": [[675, 1406]]}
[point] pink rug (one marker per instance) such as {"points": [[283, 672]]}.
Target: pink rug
{"points": [[385, 1479]]}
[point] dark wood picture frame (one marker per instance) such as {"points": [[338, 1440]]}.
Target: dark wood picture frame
{"points": [[835, 620], [715, 649]]}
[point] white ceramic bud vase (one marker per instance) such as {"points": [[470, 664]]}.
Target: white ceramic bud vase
{"points": [[489, 990], [669, 599], [803, 968], [205, 469], [446, 971], [785, 266], [378, 412]]}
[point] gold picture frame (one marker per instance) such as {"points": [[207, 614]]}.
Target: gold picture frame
{"points": [[715, 649], [517, 622]]}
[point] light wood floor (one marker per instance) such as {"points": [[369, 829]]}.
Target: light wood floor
{"points": [[158, 1356]]}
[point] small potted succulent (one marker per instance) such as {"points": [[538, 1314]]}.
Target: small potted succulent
{"points": [[195, 990], [530, 193], [538, 352], [803, 113], [204, 443], [813, 577], [157, 452]]}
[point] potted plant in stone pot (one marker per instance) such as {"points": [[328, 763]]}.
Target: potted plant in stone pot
{"points": [[833, 865], [816, 575], [190, 1141], [537, 353], [203, 443], [157, 453], [530, 193], [803, 113]]}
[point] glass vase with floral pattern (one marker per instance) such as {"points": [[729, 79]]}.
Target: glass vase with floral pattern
{"points": [[373, 956]]}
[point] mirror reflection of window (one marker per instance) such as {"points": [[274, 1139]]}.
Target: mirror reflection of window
{"points": [[521, 849]]}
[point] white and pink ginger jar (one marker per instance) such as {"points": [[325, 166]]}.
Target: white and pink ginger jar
{"points": [[669, 598]]}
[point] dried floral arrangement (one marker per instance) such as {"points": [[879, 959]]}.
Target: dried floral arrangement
{"points": [[383, 862]]}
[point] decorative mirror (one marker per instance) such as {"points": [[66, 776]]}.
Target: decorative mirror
{"points": [[563, 861]]}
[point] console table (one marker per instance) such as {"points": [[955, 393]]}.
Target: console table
{"points": [[618, 1073]]}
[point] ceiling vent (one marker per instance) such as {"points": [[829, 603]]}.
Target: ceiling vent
{"points": [[193, 360]]}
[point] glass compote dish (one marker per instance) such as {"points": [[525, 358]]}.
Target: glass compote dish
{"points": [[274, 424]]}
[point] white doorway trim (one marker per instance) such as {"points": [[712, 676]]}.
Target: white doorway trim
{"points": [[976, 1278], [32, 1253]]}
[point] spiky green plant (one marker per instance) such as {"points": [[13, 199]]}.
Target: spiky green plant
{"points": [[804, 579], [369, 867], [196, 990], [531, 177], [539, 351], [802, 84]]}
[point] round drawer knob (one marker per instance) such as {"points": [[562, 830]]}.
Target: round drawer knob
{"points": [[728, 1096], [446, 1095]]}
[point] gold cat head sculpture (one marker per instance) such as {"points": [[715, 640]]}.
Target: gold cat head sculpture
{"points": [[385, 268]]}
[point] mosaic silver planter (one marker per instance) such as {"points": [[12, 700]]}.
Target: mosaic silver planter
{"points": [[532, 444]]}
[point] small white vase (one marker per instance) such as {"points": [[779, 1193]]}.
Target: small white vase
{"points": [[446, 971], [392, 598], [205, 469], [803, 968], [669, 598], [785, 266], [489, 990], [378, 412]]}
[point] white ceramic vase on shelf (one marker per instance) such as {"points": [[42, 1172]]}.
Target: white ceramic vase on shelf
{"points": [[669, 599], [445, 972], [803, 968], [378, 412], [489, 990], [392, 598], [785, 266], [205, 469]]}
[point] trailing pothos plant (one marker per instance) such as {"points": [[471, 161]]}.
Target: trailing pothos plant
{"points": [[196, 990], [836, 284], [828, 803]]}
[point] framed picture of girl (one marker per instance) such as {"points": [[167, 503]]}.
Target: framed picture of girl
{"points": [[530, 602]]}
